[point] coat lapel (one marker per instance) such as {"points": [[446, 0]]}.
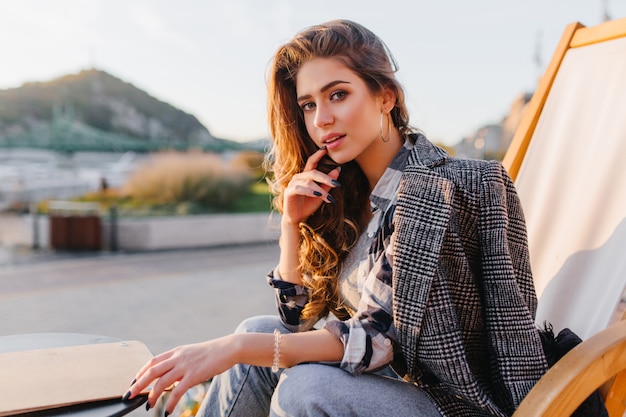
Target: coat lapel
{"points": [[421, 219]]}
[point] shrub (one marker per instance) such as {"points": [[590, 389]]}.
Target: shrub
{"points": [[251, 160], [172, 178]]}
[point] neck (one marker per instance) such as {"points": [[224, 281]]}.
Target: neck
{"points": [[375, 160]]}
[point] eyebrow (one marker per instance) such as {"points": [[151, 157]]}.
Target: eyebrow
{"points": [[323, 89]]}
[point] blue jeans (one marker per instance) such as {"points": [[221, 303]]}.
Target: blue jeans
{"points": [[308, 389]]}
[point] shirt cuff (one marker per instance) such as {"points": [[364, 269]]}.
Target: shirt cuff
{"points": [[363, 352], [290, 299]]}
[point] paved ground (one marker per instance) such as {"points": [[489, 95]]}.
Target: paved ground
{"points": [[163, 299], [160, 298]]}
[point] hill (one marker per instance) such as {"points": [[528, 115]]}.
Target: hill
{"points": [[94, 110]]}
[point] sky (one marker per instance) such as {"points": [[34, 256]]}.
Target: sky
{"points": [[461, 62]]}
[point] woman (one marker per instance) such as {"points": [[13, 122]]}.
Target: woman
{"points": [[421, 257]]}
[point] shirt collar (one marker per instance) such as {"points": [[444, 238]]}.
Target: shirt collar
{"points": [[386, 188]]}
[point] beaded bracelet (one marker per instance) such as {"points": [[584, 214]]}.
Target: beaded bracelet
{"points": [[277, 338]]}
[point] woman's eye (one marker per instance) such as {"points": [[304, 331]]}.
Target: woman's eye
{"points": [[338, 95], [307, 106]]}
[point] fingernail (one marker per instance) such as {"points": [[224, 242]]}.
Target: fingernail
{"points": [[335, 183], [126, 396], [317, 193], [167, 413], [147, 406], [134, 380], [331, 199], [324, 147]]}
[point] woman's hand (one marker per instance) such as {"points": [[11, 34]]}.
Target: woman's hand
{"points": [[308, 189], [184, 366]]}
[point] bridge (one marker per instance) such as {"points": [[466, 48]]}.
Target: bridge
{"points": [[67, 134]]}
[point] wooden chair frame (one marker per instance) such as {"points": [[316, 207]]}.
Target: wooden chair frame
{"points": [[584, 369], [574, 36], [600, 361]]}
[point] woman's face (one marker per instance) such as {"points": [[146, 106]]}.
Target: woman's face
{"points": [[339, 110]]}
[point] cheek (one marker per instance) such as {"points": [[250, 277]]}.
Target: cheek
{"points": [[364, 110], [362, 117], [352, 115]]}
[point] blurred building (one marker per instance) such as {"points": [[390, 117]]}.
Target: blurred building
{"points": [[491, 141]]}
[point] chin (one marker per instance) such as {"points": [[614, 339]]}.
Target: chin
{"points": [[342, 157], [341, 161]]}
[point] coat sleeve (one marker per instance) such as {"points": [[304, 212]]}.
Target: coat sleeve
{"points": [[508, 289]]}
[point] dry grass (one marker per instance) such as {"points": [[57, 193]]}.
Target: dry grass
{"points": [[251, 160], [173, 178]]}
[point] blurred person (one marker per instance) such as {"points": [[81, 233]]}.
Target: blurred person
{"points": [[417, 261]]}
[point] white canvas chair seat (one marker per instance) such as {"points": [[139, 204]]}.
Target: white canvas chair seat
{"points": [[572, 184]]}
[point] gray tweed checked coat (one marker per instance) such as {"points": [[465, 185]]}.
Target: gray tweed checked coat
{"points": [[464, 300]]}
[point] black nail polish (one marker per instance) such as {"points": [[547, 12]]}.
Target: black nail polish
{"points": [[335, 183], [167, 413], [317, 193], [323, 147], [134, 380], [126, 396], [147, 406], [331, 198]]}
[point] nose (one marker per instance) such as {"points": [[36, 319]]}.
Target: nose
{"points": [[323, 116]]}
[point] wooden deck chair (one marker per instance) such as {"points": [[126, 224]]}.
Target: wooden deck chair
{"points": [[568, 160]]}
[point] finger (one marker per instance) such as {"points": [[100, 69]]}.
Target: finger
{"points": [[164, 383], [307, 178], [156, 373], [175, 395], [334, 174], [153, 362], [167, 376], [315, 158], [311, 189], [315, 190], [144, 377]]}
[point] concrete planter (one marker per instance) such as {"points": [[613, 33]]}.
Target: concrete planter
{"points": [[191, 231]]}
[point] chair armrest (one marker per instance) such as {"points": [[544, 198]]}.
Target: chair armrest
{"points": [[579, 373]]}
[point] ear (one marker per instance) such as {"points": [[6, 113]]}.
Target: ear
{"points": [[388, 99]]}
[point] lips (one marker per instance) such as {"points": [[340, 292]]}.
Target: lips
{"points": [[332, 137]]}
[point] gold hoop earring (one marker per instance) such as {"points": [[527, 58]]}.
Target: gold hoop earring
{"points": [[381, 128]]}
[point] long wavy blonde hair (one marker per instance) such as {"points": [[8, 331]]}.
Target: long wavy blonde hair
{"points": [[328, 234]]}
